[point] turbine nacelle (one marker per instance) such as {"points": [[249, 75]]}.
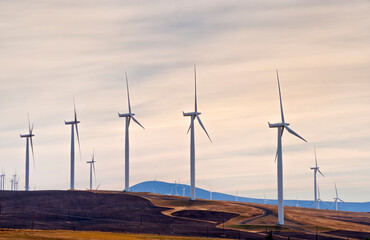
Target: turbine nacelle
{"points": [[275, 125], [191, 114], [27, 135], [71, 122], [126, 114]]}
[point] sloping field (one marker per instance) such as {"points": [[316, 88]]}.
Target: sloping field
{"points": [[300, 223], [72, 235], [112, 211]]}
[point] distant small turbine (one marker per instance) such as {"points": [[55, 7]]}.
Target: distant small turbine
{"points": [[16, 181], [281, 126], [2, 183], [236, 195], [128, 117], [28, 141], [297, 204], [92, 168], [319, 198], [12, 184], [73, 126], [193, 115], [336, 198], [316, 169]]}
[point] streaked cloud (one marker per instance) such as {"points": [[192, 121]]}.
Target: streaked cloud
{"points": [[54, 51]]}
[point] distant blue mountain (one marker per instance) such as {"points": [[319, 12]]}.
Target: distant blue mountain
{"points": [[184, 190]]}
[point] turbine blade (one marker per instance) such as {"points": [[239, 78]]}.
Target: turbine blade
{"points": [[74, 107], [294, 133], [320, 172], [128, 95], [315, 155], [98, 186], [94, 172], [282, 131], [78, 140], [201, 124], [133, 118], [190, 125], [29, 124], [33, 155], [195, 78], [336, 191], [188, 129], [281, 104], [341, 200]]}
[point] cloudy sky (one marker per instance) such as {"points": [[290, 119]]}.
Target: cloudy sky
{"points": [[52, 51]]}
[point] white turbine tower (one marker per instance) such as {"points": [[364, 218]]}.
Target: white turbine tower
{"points": [[336, 197], [280, 127], [28, 141], [193, 115], [92, 168], [73, 126], [128, 117], [2, 183], [316, 169]]}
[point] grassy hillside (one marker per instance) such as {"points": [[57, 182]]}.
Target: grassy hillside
{"points": [[83, 235], [147, 213]]}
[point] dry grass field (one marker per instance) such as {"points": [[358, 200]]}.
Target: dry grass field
{"points": [[83, 235], [118, 213]]}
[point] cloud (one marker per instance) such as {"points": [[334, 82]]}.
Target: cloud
{"points": [[54, 51]]}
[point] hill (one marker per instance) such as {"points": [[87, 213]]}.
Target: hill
{"points": [[135, 212], [184, 190]]}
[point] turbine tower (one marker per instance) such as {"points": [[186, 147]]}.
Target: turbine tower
{"points": [[28, 141], [73, 126], [297, 204], [92, 168], [2, 181], [316, 169], [281, 126], [319, 198], [128, 117], [336, 198], [193, 115]]}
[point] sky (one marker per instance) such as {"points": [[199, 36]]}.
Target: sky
{"points": [[54, 51]]}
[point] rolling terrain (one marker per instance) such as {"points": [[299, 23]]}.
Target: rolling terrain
{"points": [[184, 190], [134, 212]]}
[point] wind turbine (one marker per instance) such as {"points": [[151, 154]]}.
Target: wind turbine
{"points": [[281, 126], [92, 167], [336, 198], [16, 181], [2, 178], [73, 126], [316, 169], [11, 184], [128, 117], [28, 141], [297, 204], [319, 198], [193, 115]]}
